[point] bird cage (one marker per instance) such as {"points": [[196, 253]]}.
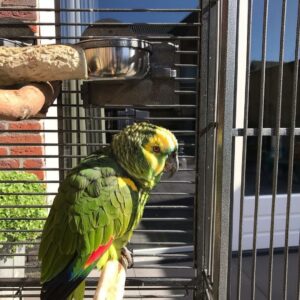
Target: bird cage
{"points": [[209, 231]]}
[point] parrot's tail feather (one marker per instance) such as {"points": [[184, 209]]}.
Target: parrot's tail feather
{"points": [[62, 285], [61, 292], [78, 293]]}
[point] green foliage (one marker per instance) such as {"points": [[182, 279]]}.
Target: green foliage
{"points": [[25, 218]]}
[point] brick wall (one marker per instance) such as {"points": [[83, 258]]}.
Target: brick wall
{"points": [[16, 156], [25, 16], [21, 132]]}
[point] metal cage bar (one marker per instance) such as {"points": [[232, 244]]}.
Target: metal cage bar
{"points": [[291, 157], [277, 136], [259, 147], [174, 275], [258, 209], [226, 96], [184, 247], [244, 154]]}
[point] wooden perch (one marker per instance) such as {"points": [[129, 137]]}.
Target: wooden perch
{"points": [[111, 282], [41, 63], [28, 101]]}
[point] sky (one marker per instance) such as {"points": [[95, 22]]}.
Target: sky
{"points": [[274, 27], [274, 20], [145, 16]]}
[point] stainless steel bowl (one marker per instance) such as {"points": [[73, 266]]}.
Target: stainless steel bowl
{"points": [[117, 58]]}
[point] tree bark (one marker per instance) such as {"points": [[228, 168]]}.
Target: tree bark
{"points": [[28, 101], [41, 63]]}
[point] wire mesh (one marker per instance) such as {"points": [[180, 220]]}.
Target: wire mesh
{"points": [[265, 218], [163, 243], [229, 219]]}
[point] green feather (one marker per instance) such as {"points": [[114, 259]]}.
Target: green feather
{"points": [[99, 236], [109, 209], [78, 293], [91, 174], [46, 267], [91, 207], [110, 181], [102, 218], [67, 245], [86, 243], [117, 226], [114, 200], [107, 233], [94, 189], [119, 198], [92, 239], [81, 181]]}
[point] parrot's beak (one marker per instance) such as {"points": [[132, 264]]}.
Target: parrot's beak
{"points": [[172, 164]]}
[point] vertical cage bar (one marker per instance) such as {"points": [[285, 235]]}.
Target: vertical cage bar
{"points": [[57, 22], [59, 98], [291, 156], [206, 137], [244, 143], [71, 120], [200, 201], [76, 97], [211, 129], [276, 148], [298, 285], [226, 95], [259, 148]]}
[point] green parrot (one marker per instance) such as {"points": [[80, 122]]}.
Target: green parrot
{"points": [[100, 203]]}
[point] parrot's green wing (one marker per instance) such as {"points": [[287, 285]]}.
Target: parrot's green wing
{"points": [[95, 206]]}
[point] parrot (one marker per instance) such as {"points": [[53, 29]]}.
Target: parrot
{"points": [[100, 203]]}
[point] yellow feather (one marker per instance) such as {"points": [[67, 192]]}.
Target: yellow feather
{"points": [[164, 139], [153, 162], [124, 181]]}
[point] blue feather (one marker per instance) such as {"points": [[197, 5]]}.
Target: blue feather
{"points": [[62, 285]]}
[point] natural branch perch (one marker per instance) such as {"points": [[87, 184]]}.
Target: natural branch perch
{"points": [[28, 101], [111, 282], [41, 63]]}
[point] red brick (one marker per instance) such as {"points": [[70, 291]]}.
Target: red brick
{"points": [[25, 125], [28, 3], [26, 138], [19, 15], [9, 164], [33, 163], [26, 150], [3, 151], [39, 174], [3, 125]]}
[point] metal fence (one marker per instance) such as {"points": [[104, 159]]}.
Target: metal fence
{"points": [[264, 214], [248, 166], [227, 226], [163, 243]]}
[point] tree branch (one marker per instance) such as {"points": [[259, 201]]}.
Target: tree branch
{"points": [[41, 63], [111, 282], [28, 101]]}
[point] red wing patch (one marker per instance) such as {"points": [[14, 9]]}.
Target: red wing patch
{"points": [[97, 253]]}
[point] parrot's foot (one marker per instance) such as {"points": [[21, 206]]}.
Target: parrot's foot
{"points": [[126, 258]]}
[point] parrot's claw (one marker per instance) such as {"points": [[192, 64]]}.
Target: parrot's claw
{"points": [[126, 258]]}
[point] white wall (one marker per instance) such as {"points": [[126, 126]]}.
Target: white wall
{"points": [[52, 112], [264, 221]]}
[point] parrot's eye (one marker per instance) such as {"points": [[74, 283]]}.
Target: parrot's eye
{"points": [[156, 149]]}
